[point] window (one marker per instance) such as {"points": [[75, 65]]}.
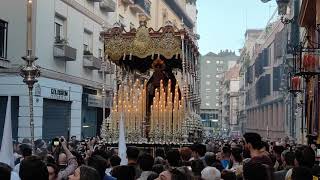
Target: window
{"points": [[217, 83], [218, 76], [207, 97], [217, 97], [208, 75], [207, 104], [217, 90], [217, 104], [208, 82], [59, 29], [87, 42], [3, 38], [208, 62]]}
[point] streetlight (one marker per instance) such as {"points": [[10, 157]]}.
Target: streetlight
{"points": [[30, 72]]}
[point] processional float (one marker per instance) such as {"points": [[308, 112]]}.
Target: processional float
{"points": [[157, 91]]}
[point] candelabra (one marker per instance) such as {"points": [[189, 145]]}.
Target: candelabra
{"points": [[30, 72]]}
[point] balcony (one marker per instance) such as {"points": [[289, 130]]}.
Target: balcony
{"points": [[4, 63], [64, 52], [91, 62], [108, 5], [142, 6]]}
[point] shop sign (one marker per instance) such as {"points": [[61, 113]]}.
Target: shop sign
{"points": [[59, 94]]}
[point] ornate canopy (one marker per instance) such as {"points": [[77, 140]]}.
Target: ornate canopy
{"points": [[146, 44]]}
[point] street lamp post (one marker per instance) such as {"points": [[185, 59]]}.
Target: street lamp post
{"points": [[30, 71]]}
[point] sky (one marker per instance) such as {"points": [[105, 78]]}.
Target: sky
{"points": [[222, 23]]}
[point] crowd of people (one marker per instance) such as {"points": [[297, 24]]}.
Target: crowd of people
{"points": [[247, 158]]}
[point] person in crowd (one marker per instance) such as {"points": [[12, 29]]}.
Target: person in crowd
{"points": [[226, 153], [209, 158], [26, 151], [67, 162], [85, 173], [32, 168], [100, 164], [228, 175], [253, 144], [52, 171], [277, 153], [145, 162], [210, 173], [198, 151], [5, 171], [236, 158], [160, 153], [115, 160], [288, 163], [174, 158], [124, 172], [301, 173], [197, 166], [186, 154], [153, 176], [304, 157], [181, 173], [256, 171], [132, 156], [158, 168]]}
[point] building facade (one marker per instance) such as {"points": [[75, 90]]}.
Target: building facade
{"points": [[265, 84], [66, 39], [212, 67], [68, 96], [229, 101]]}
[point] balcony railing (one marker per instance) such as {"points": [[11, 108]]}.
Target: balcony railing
{"points": [[108, 5], [142, 6], [64, 52], [4, 63], [91, 62]]}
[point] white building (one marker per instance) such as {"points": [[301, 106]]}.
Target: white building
{"points": [[66, 39]]}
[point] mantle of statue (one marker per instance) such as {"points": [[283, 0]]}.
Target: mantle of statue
{"points": [[163, 108]]}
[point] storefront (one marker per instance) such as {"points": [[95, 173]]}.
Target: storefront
{"points": [[92, 113]]}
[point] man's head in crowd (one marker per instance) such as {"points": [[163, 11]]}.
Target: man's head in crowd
{"points": [[186, 153], [145, 162], [252, 141], [98, 163], [26, 150], [85, 173], [32, 167], [287, 158], [174, 158], [209, 158], [132, 154], [115, 160], [52, 171], [160, 153], [305, 157], [5, 171], [198, 150]]}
